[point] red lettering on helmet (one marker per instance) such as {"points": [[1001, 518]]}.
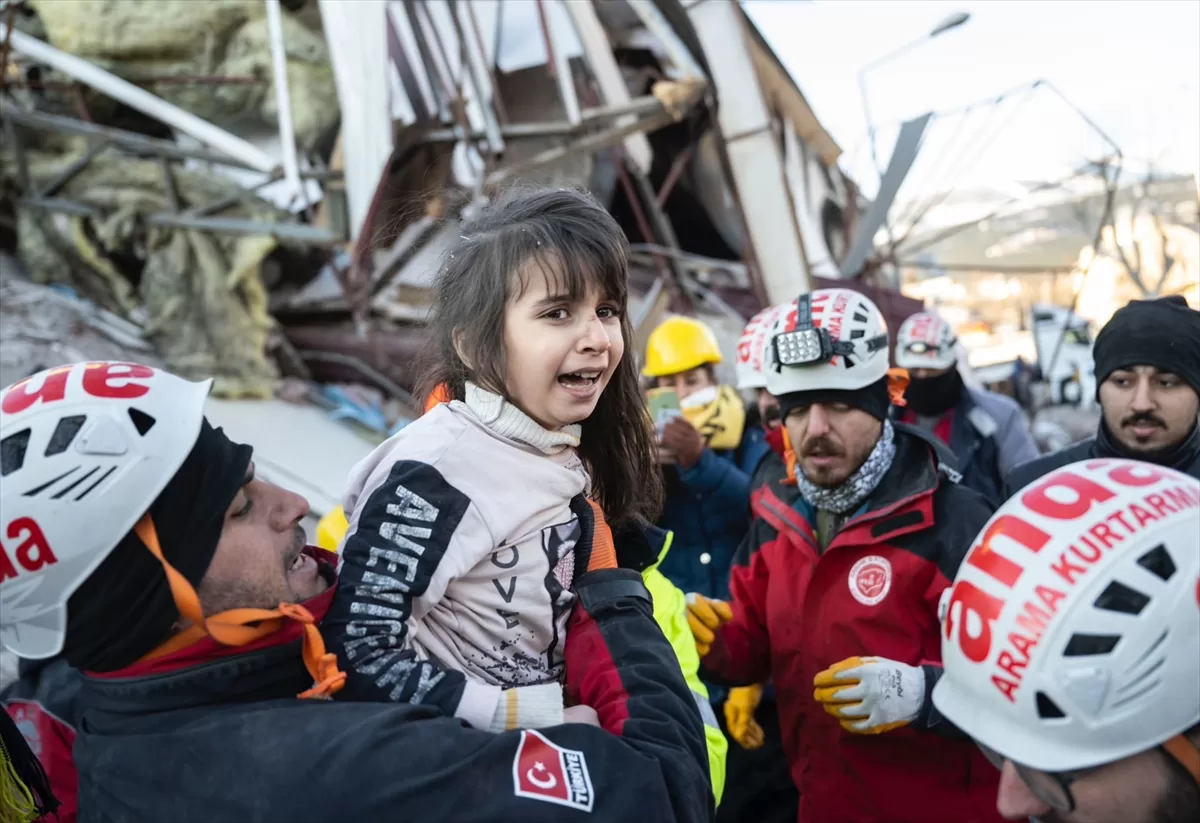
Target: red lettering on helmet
{"points": [[984, 558], [1087, 491], [743, 350], [116, 380], [792, 317], [1032, 620], [920, 329], [54, 387], [32, 553], [986, 608], [7, 569], [1181, 497], [1006, 687], [1140, 475]]}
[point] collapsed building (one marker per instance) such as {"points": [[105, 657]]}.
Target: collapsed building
{"points": [[257, 191]]}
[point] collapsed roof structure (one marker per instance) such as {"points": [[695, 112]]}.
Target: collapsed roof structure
{"points": [[264, 188]]}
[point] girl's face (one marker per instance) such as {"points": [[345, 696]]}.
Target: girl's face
{"points": [[560, 354]]}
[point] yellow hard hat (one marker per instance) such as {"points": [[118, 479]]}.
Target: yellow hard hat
{"points": [[331, 529], [680, 344]]}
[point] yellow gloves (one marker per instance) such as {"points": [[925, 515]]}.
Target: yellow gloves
{"points": [[704, 617], [871, 695], [739, 716]]}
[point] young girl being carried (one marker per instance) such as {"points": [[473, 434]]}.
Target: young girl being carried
{"points": [[468, 528]]}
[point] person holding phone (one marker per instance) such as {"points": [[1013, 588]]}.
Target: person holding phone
{"points": [[706, 453]]}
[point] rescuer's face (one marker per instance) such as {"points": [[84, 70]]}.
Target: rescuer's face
{"points": [[1148, 786], [1148, 411], [831, 440], [260, 560]]}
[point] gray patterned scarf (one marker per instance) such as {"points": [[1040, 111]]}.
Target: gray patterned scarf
{"points": [[850, 495]]}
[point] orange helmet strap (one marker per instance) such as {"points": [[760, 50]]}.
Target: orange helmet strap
{"points": [[789, 458], [239, 627]]}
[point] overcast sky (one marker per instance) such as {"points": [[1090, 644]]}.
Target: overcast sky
{"points": [[1131, 65]]}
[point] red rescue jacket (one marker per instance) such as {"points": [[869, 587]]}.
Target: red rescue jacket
{"points": [[873, 591]]}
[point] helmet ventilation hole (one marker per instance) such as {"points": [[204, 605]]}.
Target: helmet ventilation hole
{"points": [[1085, 645], [64, 433], [141, 421], [12, 452], [1158, 561], [1117, 597], [1047, 708]]}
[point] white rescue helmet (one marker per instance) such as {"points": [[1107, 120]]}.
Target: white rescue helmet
{"points": [[752, 348], [926, 341], [1069, 638], [87, 448], [826, 339]]}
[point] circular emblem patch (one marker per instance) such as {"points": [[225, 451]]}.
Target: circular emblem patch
{"points": [[871, 579]]}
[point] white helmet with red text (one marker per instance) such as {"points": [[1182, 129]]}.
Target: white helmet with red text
{"points": [[826, 339], [86, 448], [1070, 634], [926, 341], [752, 347]]}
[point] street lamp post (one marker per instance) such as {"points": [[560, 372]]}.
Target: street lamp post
{"points": [[952, 22]]}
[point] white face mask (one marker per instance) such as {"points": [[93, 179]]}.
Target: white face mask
{"points": [[699, 399]]}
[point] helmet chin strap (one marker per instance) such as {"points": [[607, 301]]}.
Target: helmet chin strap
{"points": [[1185, 752], [238, 627]]}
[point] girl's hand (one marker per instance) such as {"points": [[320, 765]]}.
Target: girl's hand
{"points": [[581, 714]]}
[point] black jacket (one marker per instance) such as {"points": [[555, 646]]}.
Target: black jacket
{"points": [[1184, 458], [988, 435], [229, 741]]}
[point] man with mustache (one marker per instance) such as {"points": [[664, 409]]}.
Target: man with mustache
{"points": [[140, 545], [1148, 384], [987, 432], [835, 596], [1072, 660]]}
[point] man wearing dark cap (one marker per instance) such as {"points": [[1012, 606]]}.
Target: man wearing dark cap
{"points": [[836, 588], [139, 547], [1148, 383]]}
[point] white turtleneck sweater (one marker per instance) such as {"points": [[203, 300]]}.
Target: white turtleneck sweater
{"points": [[456, 569]]}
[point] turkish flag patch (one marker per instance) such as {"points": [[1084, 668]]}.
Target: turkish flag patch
{"points": [[544, 771]]}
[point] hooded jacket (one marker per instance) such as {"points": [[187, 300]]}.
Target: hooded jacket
{"points": [[211, 733], [873, 591]]}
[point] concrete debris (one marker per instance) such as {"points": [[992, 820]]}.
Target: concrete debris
{"points": [[203, 296], [42, 327], [175, 42]]}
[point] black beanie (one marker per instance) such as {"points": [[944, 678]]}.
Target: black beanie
{"points": [[125, 609], [1163, 333], [872, 399]]}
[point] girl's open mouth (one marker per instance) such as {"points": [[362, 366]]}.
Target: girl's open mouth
{"points": [[579, 379]]}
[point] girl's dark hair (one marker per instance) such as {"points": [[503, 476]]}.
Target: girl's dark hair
{"points": [[576, 245]]}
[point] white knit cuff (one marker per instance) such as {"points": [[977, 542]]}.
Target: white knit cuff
{"points": [[529, 707]]}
